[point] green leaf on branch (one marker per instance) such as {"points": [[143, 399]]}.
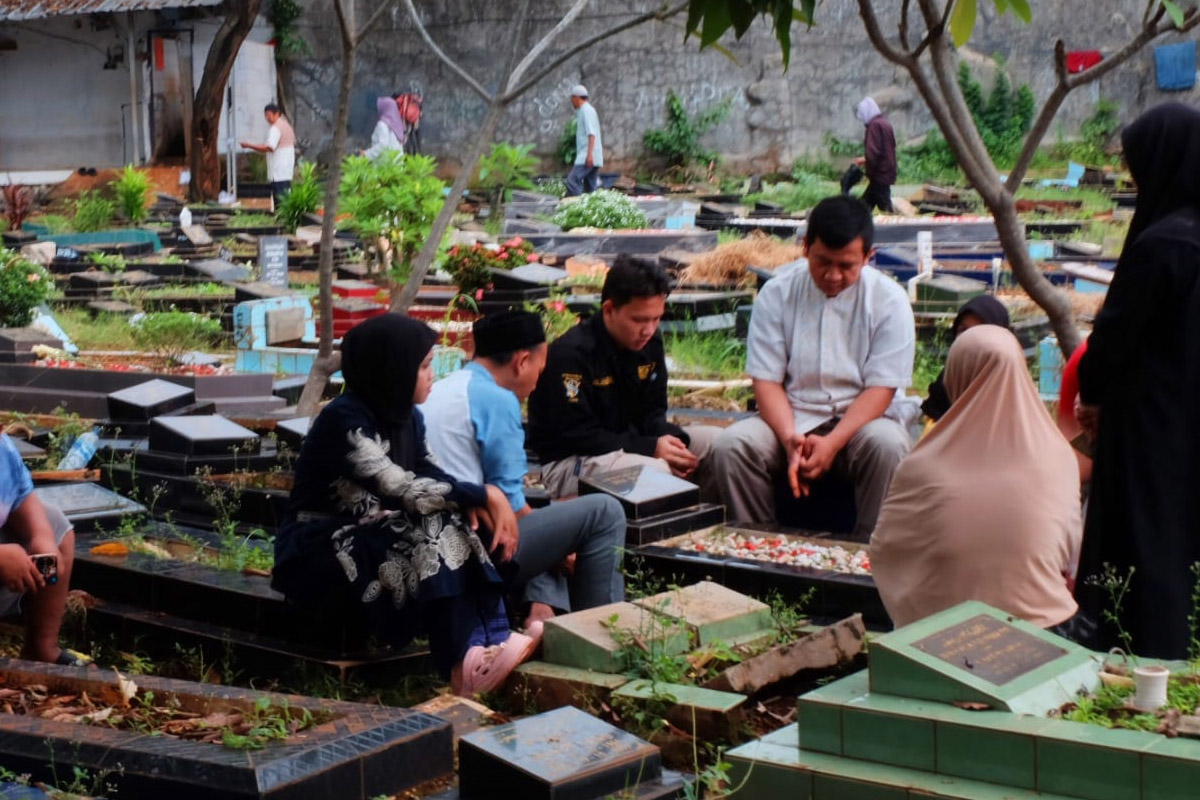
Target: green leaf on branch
{"points": [[1021, 9], [1174, 12], [962, 21]]}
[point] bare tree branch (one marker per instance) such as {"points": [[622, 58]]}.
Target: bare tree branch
{"points": [[345, 18], [539, 48], [904, 8], [445, 59], [663, 13], [935, 31], [371, 22], [879, 41]]}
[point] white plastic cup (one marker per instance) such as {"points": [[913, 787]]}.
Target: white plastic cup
{"points": [[1150, 688]]}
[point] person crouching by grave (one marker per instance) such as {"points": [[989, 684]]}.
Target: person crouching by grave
{"points": [[569, 553], [280, 149], [981, 310], [830, 352], [373, 525], [584, 177], [32, 534], [601, 404], [879, 161], [986, 507], [388, 136]]}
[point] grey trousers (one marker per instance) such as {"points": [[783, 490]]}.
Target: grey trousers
{"points": [[593, 527], [561, 478], [748, 459]]}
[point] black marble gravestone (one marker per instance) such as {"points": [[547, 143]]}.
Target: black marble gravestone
{"points": [[212, 435], [147, 400], [292, 431], [16, 344], [87, 505], [643, 492]]}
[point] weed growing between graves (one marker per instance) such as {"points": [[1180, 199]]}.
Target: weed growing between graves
{"points": [[170, 334], [251, 221], [103, 331], [132, 191], [1116, 586], [788, 613], [1109, 707], [303, 198], [799, 194], [237, 552], [603, 208], [679, 140], [93, 212], [706, 355], [1193, 620], [557, 319], [109, 262]]}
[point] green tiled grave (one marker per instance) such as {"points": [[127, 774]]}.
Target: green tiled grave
{"points": [[549, 686], [711, 611], [1171, 770], [584, 638], [712, 713]]}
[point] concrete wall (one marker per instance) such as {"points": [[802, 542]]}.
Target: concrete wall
{"points": [[775, 118]]}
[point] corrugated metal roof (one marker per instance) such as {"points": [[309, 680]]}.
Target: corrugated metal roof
{"points": [[12, 10]]}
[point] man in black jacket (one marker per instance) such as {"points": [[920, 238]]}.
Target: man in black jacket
{"points": [[601, 403]]}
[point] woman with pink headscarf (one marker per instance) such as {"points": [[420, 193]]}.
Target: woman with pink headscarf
{"points": [[388, 135]]}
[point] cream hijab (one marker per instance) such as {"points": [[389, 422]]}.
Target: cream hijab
{"points": [[986, 507]]}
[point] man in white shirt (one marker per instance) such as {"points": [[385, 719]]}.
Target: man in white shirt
{"points": [[830, 353], [280, 149], [584, 177]]}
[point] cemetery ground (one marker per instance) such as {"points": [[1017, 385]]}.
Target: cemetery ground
{"points": [[183, 344]]}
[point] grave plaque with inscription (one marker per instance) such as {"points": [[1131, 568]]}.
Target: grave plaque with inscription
{"points": [[975, 653], [643, 492], [200, 436], [564, 754], [273, 260]]}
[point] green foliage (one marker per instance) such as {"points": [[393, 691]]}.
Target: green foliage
{"points": [[93, 212], [170, 334], [303, 198], [1094, 135], [1116, 586], [843, 147], [54, 223], [603, 208], [818, 168], [132, 190], [566, 142], [554, 184], [1003, 117], [707, 355], [396, 197], [289, 43], [1109, 706], [471, 267], [23, 287], [557, 319], [506, 167], [788, 613], [931, 160], [804, 192], [710, 19], [679, 141], [109, 262]]}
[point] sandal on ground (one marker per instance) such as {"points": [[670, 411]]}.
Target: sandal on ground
{"points": [[486, 668], [73, 658]]}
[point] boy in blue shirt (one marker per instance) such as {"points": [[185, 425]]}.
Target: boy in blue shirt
{"points": [[568, 554], [27, 529]]}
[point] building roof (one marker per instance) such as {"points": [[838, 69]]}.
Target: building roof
{"points": [[14, 10]]}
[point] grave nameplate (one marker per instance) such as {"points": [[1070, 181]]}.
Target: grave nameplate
{"points": [[643, 492], [210, 435], [564, 754], [147, 400], [273, 260], [86, 504], [976, 653], [285, 325]]}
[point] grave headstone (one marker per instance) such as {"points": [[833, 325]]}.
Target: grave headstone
{"points": [[643, 492], [197, 235], [564, 754], [87, 505], [41, 253], [147, 400], [711, 611], [218, 269], [976, 653], [273, 260], [285, 325], [16, 344], [585, 638], [210, 435], [27, 450], [292, 431]]}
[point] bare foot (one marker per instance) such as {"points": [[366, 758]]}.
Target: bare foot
{"points": [[538, 612]]}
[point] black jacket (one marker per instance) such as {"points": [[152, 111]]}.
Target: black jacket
{"points": [[595, 398]]}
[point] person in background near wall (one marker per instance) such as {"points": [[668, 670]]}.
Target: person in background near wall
{"points": [[879, 163], [981, 310], [986, 507], [584, 177], [280, 149], [29, 528], [1139, 393], [388, 136]]}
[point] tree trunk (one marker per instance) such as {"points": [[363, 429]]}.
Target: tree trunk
{"points": [[482, 140], [210, 97]]}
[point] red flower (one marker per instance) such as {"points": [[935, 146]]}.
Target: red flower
{"points": [[479, 294], [514, 242], [453, 251], [559, 306], [532, 257], [502, 255]]}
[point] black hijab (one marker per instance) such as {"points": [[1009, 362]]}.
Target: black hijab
{"points": [[1162, 149], [380, 361], [990, 310]]}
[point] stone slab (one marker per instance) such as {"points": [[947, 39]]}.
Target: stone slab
{"points": [[704, 713], [292, 431], [286, 325], [22, 340], [832, 646], [977, 653], [583, 638], [88, 505], [655, 528], [210, 435], [143, 402], [545, 686], [643, 492], [711, 611], [564, 754]]}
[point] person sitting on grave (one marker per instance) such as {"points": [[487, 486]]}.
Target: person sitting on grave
{"points": [[568, 554], [374, 524], [981, 310], [830, 352], [986, 507], [37, 551], [601, 403]]}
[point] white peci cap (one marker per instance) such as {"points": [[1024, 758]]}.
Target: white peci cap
{"points": [[579, 90]]}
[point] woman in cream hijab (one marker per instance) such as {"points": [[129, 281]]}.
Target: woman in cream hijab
{"points": [[986, 507]]}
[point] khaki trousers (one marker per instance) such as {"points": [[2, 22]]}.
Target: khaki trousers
{"points": [[561, 478], [748, 460]]}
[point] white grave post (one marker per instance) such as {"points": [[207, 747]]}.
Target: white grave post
{"points": [[924, 263]]}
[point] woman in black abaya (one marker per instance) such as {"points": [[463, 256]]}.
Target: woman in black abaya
{"points": [[1139, 387]]}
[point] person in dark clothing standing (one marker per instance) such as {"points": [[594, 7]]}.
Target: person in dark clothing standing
{"points": [[1139, 384], [981, 310], [601, 403], [879, 163]]}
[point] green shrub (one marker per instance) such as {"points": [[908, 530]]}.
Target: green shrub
{"points": [[679, 141], [804, 192], [303, 198], [172, 333], [23, 287], [1003, 117], [566, 142], [603, 208], [133, 193], [506, 167], [93, 212]]}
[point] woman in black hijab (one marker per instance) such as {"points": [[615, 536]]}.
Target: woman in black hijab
{"points": [[981, 310], [374, 525], [1139, 387]]}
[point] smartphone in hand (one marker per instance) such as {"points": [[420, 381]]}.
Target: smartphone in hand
{"points": [[47, 564]]}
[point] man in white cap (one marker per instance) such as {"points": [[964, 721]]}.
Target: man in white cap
{"points": [[584, 177]]}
